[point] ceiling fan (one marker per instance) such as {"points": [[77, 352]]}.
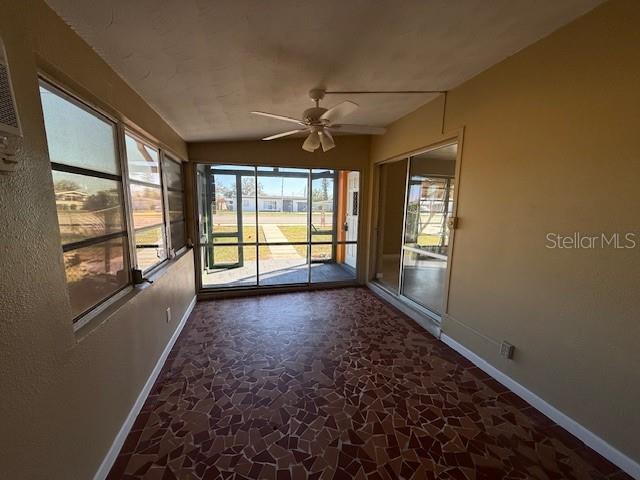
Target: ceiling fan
{"points": [[321, 122]]}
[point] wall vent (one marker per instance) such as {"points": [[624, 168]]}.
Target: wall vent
{"points": [[10, 133], [8, 114]]}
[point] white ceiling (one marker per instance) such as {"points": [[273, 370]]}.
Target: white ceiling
{"points": [[204, 64]]}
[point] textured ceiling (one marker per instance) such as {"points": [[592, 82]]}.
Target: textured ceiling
{"points": [[204, 64]]}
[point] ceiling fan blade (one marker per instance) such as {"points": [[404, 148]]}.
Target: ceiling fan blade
{"points": [[283, 134], [279, 117], [338, 111], [312, 142], [326, 140], [362, 129]]}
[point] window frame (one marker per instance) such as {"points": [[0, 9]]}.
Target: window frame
{"points": [[78, 321], [120, 131], [203, 229], [168, 157], [128, 131]]}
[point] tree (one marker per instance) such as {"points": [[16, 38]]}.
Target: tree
{"points": [[325, 188], [249, 187], [102, 199], [66, 186], [321, 193]]}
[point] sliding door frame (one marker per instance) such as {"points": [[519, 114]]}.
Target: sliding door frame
{"points": [[453, 138]]}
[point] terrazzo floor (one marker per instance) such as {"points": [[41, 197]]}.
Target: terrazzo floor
{"points": [[335, 384]]}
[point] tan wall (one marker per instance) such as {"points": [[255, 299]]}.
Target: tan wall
{"points": [[392, 202], [551, 144], [65, 396], [351, 153]]}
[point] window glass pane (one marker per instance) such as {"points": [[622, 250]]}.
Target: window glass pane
{"points": [[322, 253], [227, 266], [324, 269], [178, 239], [393, 179], [173, 174], [142, 161], [322, 201], [424, 278], [95, 273], [146, 203], [176, 208], [87, 206], [77, 137], [282, 197], [150, 247], [224, 211], [283, 264]]}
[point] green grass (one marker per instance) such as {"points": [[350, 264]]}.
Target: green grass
{"points": [[293, 233], [296, 233], [248, 234], [428, 240]]}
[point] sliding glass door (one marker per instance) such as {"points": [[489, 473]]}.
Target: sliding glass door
{"points": [[426, 238], [413, 254], [270, 226]]}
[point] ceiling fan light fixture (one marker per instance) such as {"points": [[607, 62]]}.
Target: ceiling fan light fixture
{"points": [[326, 140], [312, 142], [318, 121]]}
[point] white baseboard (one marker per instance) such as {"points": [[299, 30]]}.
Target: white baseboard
{"points": [[113, 452], [589, 438]]}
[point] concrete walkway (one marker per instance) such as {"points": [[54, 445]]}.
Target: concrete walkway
{"points": [[273, 234]]}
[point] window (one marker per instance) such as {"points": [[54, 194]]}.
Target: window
{"points": [[268, 226], [89, 199], [175, 195], [270, 205], [147, 205], [90, 183]]}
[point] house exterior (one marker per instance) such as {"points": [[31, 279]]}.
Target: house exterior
{"points": [[266, 203], [71, 200]]}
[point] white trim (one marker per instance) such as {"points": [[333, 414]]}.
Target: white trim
{"points": [[423, 319], [589, 438], [113, 452]]}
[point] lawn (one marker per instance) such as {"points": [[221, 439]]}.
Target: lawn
{"points": [[293, 233], [428, 240], [248, 234]]}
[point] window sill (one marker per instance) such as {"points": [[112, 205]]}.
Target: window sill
{"points": [[99, 316]]}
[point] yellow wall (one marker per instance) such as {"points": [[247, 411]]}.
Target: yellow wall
{"points": [[64, 396], [392, 198], [551, 144], [351, 153]]}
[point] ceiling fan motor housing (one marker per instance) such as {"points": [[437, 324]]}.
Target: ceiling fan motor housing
{"points": [[312, 115]]}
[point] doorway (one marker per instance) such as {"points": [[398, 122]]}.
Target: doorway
{"points": [[351, 224], [415, 229]]}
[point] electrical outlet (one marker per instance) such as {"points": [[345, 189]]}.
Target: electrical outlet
{"points": [[168, 314], [506, 349]]}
